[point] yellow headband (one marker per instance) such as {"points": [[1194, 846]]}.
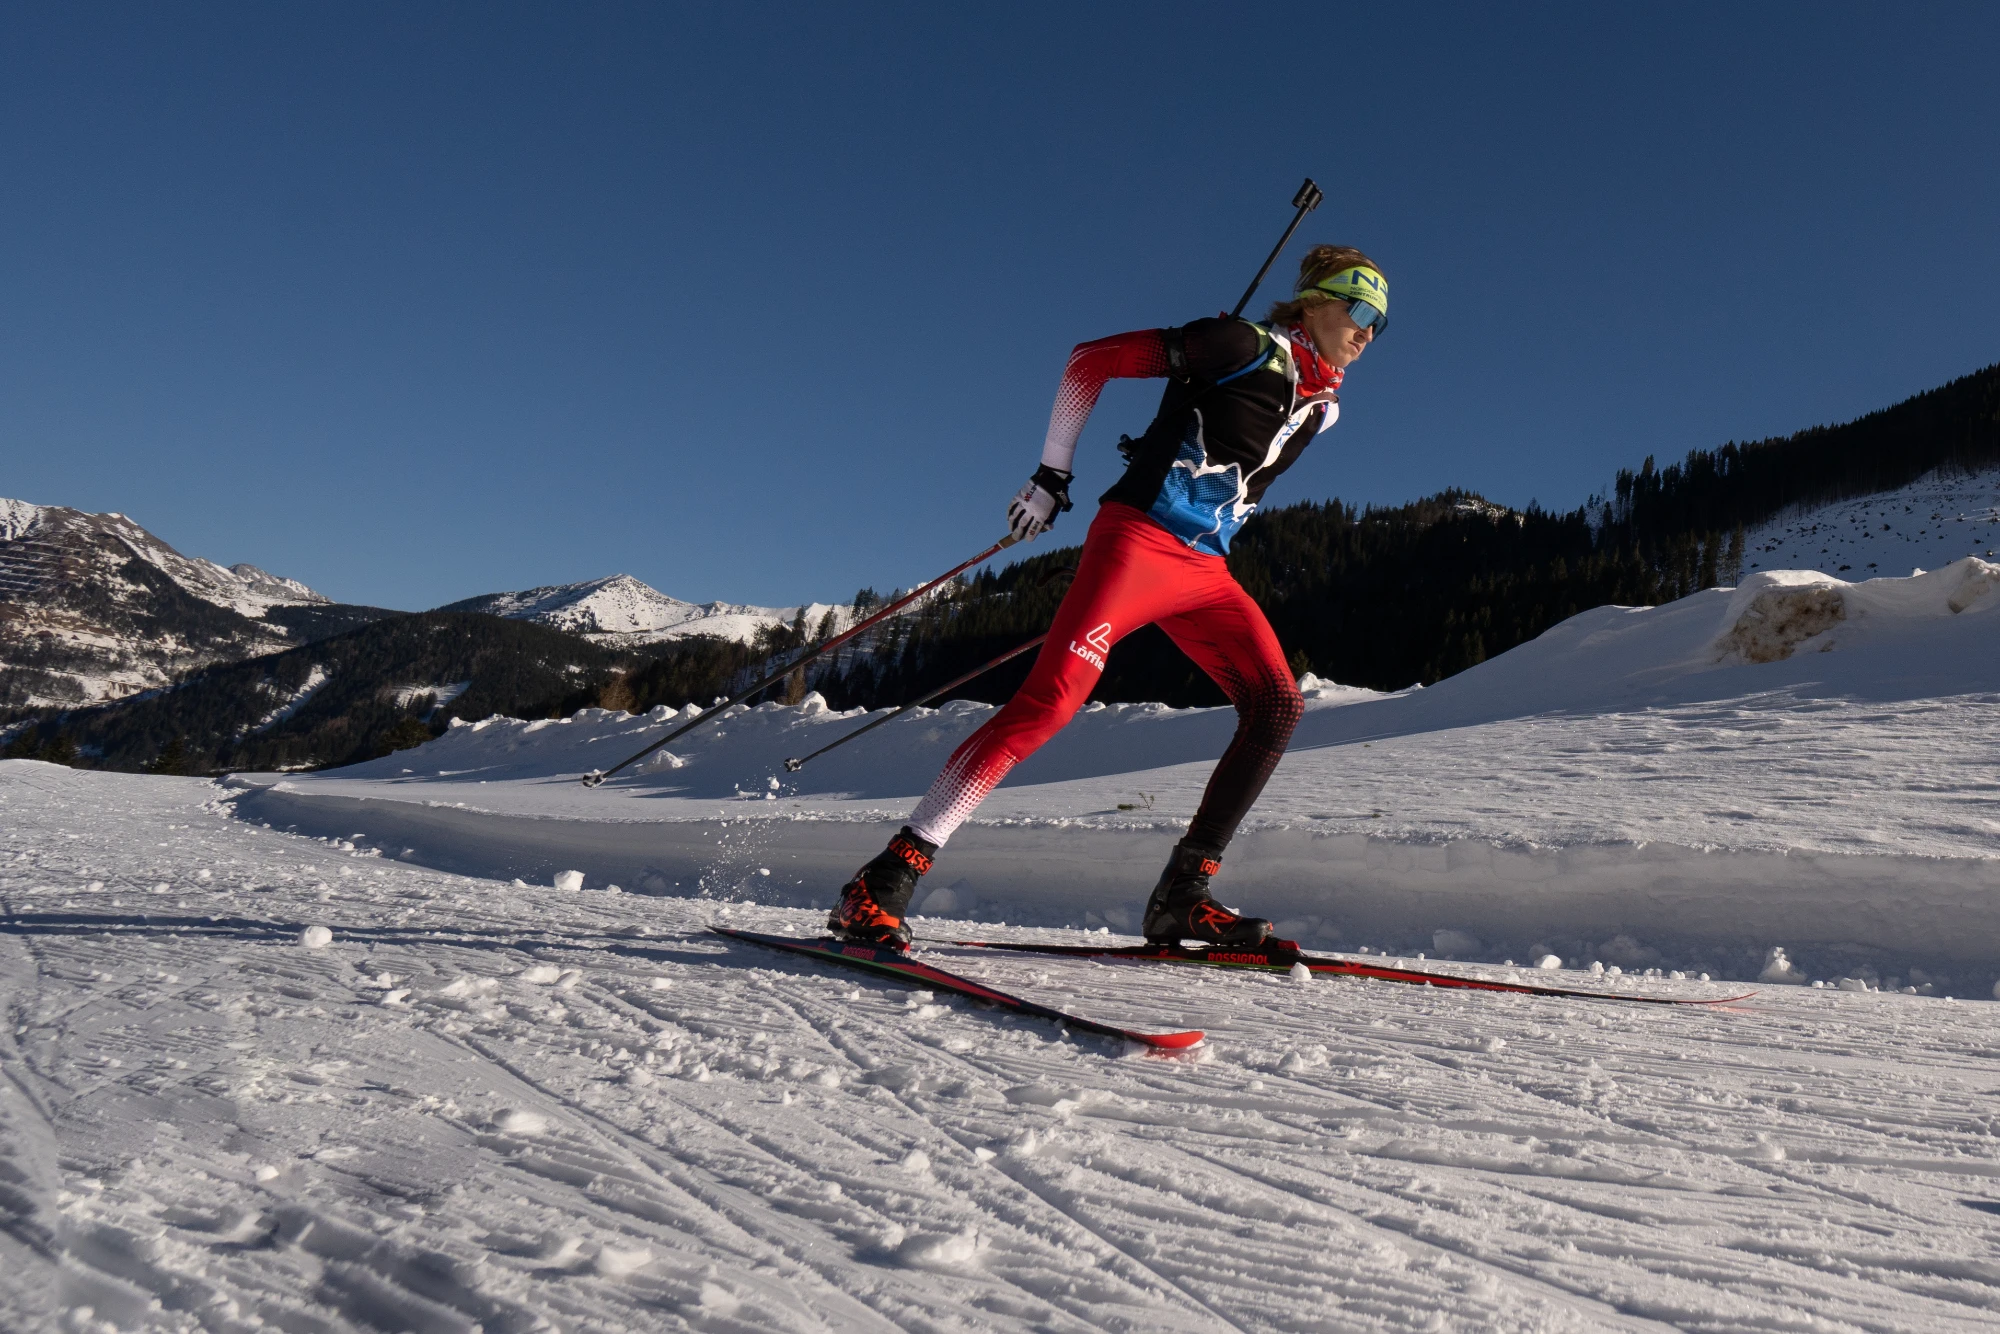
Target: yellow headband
{"points": [[1359, 283]]}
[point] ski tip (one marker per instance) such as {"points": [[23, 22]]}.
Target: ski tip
{"points": [[1172, 1041]]}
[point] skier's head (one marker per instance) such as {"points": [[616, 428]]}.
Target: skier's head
{"points": [[1336, 283]]}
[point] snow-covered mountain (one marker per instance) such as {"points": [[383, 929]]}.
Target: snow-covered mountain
{"points": [[93, 607], [623, 610]]}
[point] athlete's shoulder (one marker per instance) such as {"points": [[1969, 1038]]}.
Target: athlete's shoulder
{"points": [[1222, 345]]}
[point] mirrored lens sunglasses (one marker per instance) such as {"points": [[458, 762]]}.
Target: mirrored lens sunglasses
{"points": [[1367, 316]]}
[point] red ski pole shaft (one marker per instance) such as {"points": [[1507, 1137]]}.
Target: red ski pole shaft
{"points": [[793, 766], [597, 776]]}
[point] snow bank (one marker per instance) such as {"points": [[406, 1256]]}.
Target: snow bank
{"points": [[1800, 761]]}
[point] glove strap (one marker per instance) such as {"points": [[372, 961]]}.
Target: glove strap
{"points": [[1056, 482]]}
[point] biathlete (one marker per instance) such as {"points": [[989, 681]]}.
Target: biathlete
{"points": [[1243, 400]]}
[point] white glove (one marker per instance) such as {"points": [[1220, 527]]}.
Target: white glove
{"points": [[1033, 512]]}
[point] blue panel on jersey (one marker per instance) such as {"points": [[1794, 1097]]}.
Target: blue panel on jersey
{"points": [[1199, 509]]}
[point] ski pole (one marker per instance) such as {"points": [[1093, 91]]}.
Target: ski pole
{"points": [[793, 766], [1305, 201], [597, 776]]}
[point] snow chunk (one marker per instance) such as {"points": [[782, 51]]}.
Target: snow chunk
{"points": [[570, 881], [929, 1251], [1776, 611], [1548, 963], [1301, 973], [618, 1261], [1779, 969], [316, 937], [516, 1121]]}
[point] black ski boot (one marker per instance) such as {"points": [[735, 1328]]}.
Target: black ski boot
{"points": [[1181, 908], [872, 904]]}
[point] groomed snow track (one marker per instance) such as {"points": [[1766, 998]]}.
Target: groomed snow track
{"points": [[1675, 905]]}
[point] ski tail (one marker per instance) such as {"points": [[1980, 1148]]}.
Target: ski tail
{"points": [[1282, 955], [892, 963]]}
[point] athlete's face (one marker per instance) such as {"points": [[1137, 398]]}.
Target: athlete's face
{"points": [[1339, 339]]}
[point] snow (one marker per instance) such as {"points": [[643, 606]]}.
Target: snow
{"points": [[1931, 522], [241, 588], [441, 695], [418, 1127], [623, 610], [17, 519], [291, 702], [1800, 762]]}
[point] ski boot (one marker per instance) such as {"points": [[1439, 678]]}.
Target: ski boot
{"points": [[1181, 908], [872, 904]]}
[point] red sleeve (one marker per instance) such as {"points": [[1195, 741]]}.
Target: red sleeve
{"points": [[1139, 355]]}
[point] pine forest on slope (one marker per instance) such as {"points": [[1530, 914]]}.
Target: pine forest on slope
{"points": [[1381, 597]]}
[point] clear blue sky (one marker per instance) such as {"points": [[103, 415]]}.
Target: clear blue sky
{"points": [[416, 301]]}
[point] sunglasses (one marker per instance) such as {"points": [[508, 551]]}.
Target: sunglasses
{"points": [[1367, 316]]}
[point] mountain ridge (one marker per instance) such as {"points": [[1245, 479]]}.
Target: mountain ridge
{"points": [[620, 610], [94, 608]]}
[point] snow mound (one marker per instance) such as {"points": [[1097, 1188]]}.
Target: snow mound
{"points": [[1773, 615]]}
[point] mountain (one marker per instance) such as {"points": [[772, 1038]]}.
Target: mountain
{"points": [[95, 608], [621, 611], [348, 697]]}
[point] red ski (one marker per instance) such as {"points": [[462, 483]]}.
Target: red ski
{"points": [[895, 964], [1279, 956]]}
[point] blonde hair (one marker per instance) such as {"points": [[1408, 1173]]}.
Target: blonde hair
{"points": [[1322, 261]]}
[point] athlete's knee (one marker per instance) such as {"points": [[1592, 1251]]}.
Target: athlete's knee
{"points": [[1272, 708]]}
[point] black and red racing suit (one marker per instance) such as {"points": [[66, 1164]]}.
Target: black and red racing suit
{"points": [[1242, 403]]}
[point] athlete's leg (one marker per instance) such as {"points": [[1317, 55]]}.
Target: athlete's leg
{"points": [[1128, 577], [1227, 637]]}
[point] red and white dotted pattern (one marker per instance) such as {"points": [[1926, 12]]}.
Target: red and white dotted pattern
{"points": [[1139, 355]]}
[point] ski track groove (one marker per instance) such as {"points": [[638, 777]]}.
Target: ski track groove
{"points": [[774, 1153], [833, 1037], [1587, 1305], [1587, 1171], [1650, 1134], [1161, 1281], [829, 1035], [638, 1153], [1041, 1193], [1630, 1133]]}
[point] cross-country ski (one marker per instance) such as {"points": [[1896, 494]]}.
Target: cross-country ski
{"points": [[1281, 956], [884, 961]]}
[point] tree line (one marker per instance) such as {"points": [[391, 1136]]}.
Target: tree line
{"points": [[1381, 596]]}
